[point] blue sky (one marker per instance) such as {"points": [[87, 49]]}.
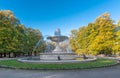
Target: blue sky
{"points": [[47, 15]]}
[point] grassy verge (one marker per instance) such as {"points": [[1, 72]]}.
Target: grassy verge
{"points": [[86, 65]]}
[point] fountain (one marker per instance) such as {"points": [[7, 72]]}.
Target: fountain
{"points": [[57, 53]]}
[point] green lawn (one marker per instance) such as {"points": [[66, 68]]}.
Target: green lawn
{"points": [[19, 65]]}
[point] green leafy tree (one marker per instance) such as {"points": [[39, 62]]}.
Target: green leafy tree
{"points": [[15, 38]]}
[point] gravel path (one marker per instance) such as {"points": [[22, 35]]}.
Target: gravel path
{"points": [[109, 72]]}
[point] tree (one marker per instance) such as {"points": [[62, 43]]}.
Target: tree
{"points": [[97, 37], [15, 38]]}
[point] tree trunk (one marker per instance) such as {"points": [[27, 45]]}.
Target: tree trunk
{"points": [[0, 55], [9, 54], [4, 54]]}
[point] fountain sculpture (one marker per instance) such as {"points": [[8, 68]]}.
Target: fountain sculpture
{"points": [[57, 53]]}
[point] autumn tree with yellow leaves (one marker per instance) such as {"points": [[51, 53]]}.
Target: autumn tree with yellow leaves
{"points": [[100, 37]]}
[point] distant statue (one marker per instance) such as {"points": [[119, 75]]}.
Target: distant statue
{"points": [[57, 32], [59, 58]]}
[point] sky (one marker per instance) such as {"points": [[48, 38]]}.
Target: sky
{"points": [[48, 15]]}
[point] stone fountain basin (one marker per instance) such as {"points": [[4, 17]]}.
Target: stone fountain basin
{"points": [[25, 60], [57, 38], [57, 56]]}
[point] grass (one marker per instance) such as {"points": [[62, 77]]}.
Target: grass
{"points": [[85, 65]]}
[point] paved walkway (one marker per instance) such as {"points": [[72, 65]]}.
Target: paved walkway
{"points": [[109, 72]]}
